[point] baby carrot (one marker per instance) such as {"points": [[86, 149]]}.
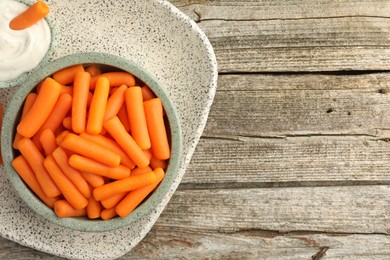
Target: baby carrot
{"points": [[122, 115], [135, 197], [67, 123], [74, 175], [35, 159], [139, 171], [112, 145], [41, 108], [136, 114], [57, 115], [24, 170], [93, 179], [67, 75], [113, 200], [127, 184], [147, 93], [91, 150], [98, 106], [48, 141], [93, 70], [107, 214], [115, 102], [30, 99], [87, 165], [70, 192], [61, 136], [115, 128], [80, 100], [156, 163], [157, 131], [30, 16], [94, 208], [67, 90], [116, 79], [148, 153], [63, 209]]}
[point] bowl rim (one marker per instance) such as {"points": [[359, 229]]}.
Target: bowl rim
{"points": [[82, 223]]}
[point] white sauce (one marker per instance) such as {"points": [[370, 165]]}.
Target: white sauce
{"points": [[22, 50]]}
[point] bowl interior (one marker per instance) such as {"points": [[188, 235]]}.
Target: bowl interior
{"points": [[12, 116]]}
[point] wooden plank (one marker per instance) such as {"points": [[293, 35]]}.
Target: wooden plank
{"points": [[345, 209], [313, 161], [279, 9], [300, 45], [308, 104], [295, 36], [162, 243]]}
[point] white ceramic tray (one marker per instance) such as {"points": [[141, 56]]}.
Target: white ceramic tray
{"points": [[158, 37]]}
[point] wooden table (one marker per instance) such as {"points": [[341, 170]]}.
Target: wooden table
{"points": [[294, 162]]}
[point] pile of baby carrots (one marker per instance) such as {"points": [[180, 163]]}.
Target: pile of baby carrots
{"points": [[92, 143]]}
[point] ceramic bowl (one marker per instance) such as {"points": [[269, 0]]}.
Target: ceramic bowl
{"points": [[12, 117]]}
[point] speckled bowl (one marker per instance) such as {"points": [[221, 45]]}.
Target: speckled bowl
{"points": [[12, 118]]}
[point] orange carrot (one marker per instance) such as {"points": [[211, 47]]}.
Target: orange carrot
{"points": [[30, 99], [48, 141], [70, 192], [147, 93], [122, 115], [115, 102], [67, 90], [24, 170], [112, 145], [113, 200], [61, 136], [156, 163], [94, 208], [30, 16], [91, 150], [98, 106], [87, 165], [57, 115], [67, 75], [93, 70], [41, 108], [63, 209], [135, 197], [35, 159], [157, 131], [74, 175], [107, 214], [127, 184], [139, 171], [148, 153], [136, 114], [116, 79], [67, 123], [80, 100], [115, 128], [93, 179]]}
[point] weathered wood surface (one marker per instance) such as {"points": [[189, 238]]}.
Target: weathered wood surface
{"points": [[294, 161], [298, 35]]}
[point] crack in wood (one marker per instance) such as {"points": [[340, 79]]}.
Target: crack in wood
{"points": [[320, 253], [266, 185]]}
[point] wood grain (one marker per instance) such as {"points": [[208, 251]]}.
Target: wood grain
{"points": [[269, 36], [201, 10], [179, 243], [300, 104], [312, 161]]}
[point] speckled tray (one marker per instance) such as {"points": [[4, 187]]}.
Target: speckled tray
{"points": [[158, 37]]}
